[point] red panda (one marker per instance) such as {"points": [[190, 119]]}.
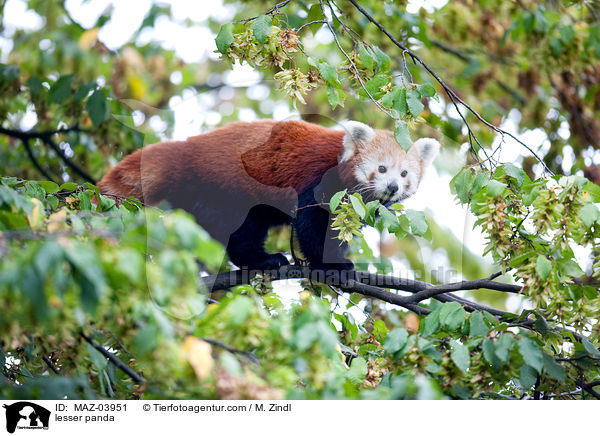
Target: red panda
{"points": [[243, 178]]}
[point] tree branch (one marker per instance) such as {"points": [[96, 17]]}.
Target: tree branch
{"points": [[468, 59], [588, 387], [370, 285], [35, 161], [248, 355], [454, 98], [50, 365], [46, 138], [114, 359]]}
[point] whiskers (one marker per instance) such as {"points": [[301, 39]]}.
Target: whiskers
{"points": [[364, 188]]}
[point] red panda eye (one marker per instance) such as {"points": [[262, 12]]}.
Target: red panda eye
{"points": [[382, 169], [404, 173]]}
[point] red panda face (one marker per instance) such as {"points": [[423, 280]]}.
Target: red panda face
{"points": [[382, 168]]}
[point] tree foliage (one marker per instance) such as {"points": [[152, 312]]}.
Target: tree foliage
{"points": [[105, 297]]}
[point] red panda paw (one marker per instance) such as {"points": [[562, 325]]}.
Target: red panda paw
{"points": [[271, 262]]}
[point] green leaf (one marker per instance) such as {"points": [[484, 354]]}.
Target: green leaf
{"points": [[426, 90], [553, 368], [452, 315], [239, 310], [413, 99], [399, 103], [418, 224], [569, 268], [49, 187], [516, 173], [532, 355], [556, 45], [366, 56], [335, 199], [306, 335], [380, 330], [231, 364], [335, 96], [98, 107], [503, 346], [477, 325], [395, 341], [431, 323], [589, 214], [329, 73], [495, 188], [83, 91], [528, 377], [224, 38], [61, 89], [358, 370], [567, 33], [462, 185], [402, 135], [85, 200], [489, 354], [589, 347], [315, 13], [358, 206], [374, 86], [261, 28], [8, 73], [390, 220], [146, 339], [35, 85], [481, 180], [543, 267], [460, 355], [383, 60], [388, 99], [530, 196], [68, 186], [403, 227], [97, 359], [592, 190]]}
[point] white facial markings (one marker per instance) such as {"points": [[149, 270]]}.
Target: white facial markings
{"points": [[381, 184], [383, 170]]}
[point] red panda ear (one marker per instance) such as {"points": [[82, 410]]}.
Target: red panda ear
{"points": [[428, 148], [356, 133]]}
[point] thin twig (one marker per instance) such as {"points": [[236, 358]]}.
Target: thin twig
{"points": [[35, 162], [453, 96], [352, 65], [50, 365], [274, 9], [251, 357]]}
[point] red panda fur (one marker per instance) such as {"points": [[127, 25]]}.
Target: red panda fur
{"points": [[241, 179], [275, 154]]}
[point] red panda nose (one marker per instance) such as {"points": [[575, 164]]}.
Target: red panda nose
{"points": [[392, 188]]}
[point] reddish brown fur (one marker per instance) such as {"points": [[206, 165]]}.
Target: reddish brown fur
{"points": [[275, 154]]}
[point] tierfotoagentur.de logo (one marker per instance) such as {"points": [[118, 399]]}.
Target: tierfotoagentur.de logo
{"points": [[26, 415]]}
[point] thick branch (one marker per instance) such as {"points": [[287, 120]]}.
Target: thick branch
{"points": [[370, 285]]}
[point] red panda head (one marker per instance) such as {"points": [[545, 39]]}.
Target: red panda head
{"points": [[383, 170]]}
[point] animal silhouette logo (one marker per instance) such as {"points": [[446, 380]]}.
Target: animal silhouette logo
{"points": [[26, 415]]}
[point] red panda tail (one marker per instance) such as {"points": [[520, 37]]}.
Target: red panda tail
{"points": [[125, 179]]}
